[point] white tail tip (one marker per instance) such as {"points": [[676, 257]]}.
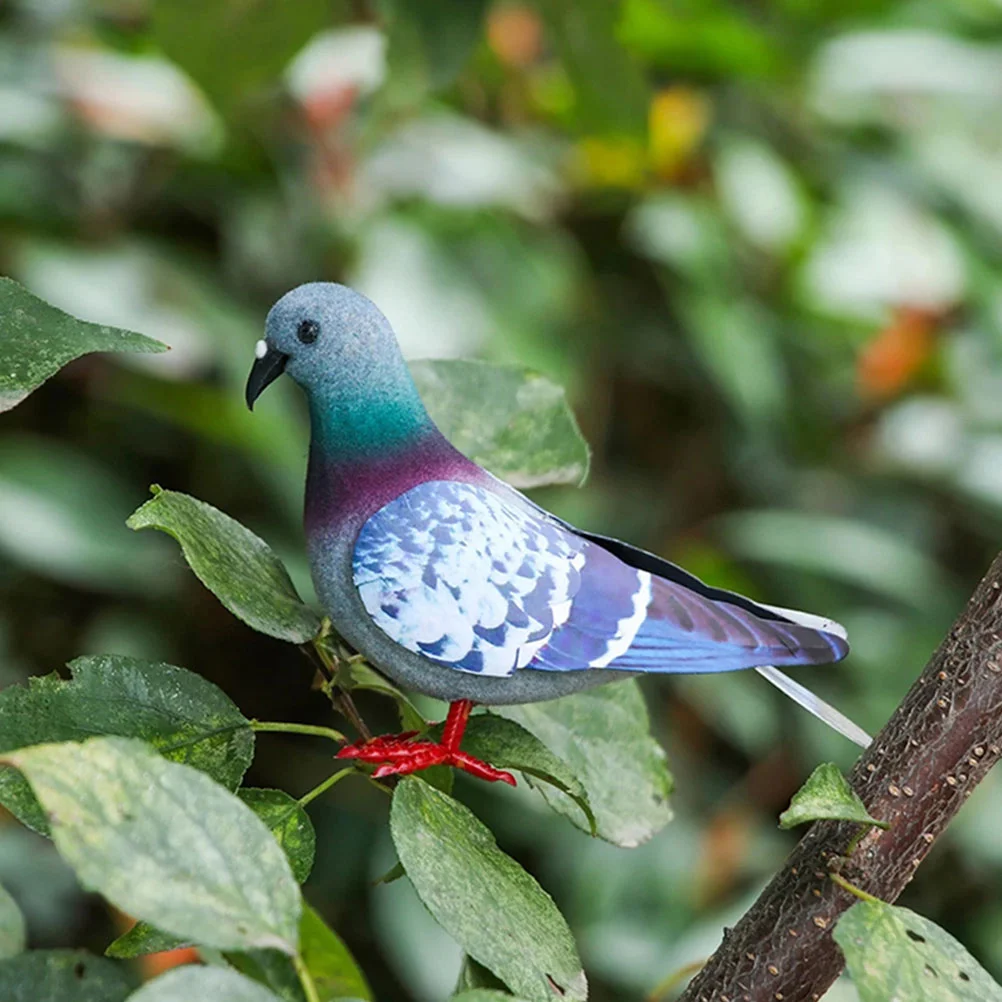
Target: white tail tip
{"points": [[814, 704]]}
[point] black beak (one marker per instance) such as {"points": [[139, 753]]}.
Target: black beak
{"points": [[265, 370]]}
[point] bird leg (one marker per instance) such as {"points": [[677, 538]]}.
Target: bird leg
{"points": [[400, 754]]}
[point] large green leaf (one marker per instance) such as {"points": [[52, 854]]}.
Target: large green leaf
{"points": [[186, 718], [12, 931], [290, 825], [483, 898], [165, 843], [508, 745], [63, 976], [292, 829], [37, 340], [892, 953], [604, 736], [826, 794], [508, 419], [187, 984], [240, 45], [240, 569]]}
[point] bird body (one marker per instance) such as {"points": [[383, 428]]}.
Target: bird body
{"points": [[453, 583]]}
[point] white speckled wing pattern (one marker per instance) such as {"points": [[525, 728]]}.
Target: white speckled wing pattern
{"points": [[453, 572]]}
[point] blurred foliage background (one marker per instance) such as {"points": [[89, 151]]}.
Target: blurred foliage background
{"points": [[760, 245]]}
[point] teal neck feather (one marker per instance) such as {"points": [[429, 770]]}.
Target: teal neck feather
{"points": [[365, 418]]}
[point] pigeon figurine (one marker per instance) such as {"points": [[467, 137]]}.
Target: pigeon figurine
{"points": [[454, 584]]}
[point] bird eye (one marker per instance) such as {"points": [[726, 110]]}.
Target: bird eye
{"points": [[307, 331]]}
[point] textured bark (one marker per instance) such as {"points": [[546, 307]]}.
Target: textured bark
{"points": [[938, 745]]}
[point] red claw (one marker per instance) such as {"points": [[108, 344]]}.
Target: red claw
{"points": [[401, 755]]}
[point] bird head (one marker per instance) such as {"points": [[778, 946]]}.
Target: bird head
{"points": [[318, 333]]}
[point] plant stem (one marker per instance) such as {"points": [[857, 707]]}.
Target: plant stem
{"points": [[290, 728], [853, 889], [306, 979], [325, 785]]}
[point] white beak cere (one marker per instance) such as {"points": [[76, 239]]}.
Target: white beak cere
{"points": [[260, 349]]}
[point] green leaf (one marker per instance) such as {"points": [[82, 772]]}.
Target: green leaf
{"points": [[63, 976], [331, 965], [433, 40], [508, 745], [484, 995], [143, 939], [603, 735], [826, 794], [892, 953], [483, 898], [165, 843], [184, 716], [37, 340], [475, 976], [611, 95], [363, 676], [508, 419], [240, 46], [186, 984], [12, 931], [240, 569], [289, 823], [292, 829]]}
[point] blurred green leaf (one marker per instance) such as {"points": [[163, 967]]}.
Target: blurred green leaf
{"points": [[37, 340], [733, 340], [164, 842], [240, 46], [184, 716], [604, 737], [826, 794], [436, 37], [483, 898], [510, 420], [860, 554], [290, 825], [240, 569], [63, 976], [12, 931], [506, 744], [61, 514], [892, 953], [708, 37], [611, 93], [186, 984]]}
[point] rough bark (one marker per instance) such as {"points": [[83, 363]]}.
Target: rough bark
{"points": [[938, 745]]}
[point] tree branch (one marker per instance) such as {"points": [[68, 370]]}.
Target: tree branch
{"points": [[939, 744]]}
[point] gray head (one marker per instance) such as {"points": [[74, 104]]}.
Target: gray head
{"points": [[322, 333]]}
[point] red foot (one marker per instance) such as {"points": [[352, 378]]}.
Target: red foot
{"points": [[401, 755]]}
